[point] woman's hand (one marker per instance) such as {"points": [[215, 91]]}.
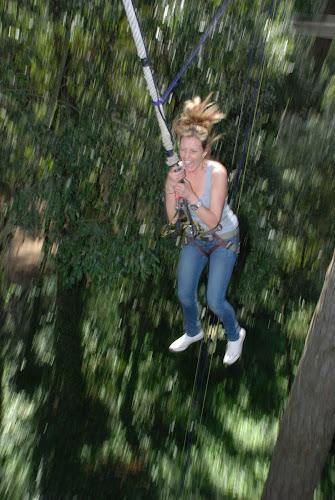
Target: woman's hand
{"points": [[184, 190], [174, 176]]}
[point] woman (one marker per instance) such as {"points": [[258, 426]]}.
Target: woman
{"points": [[202, 182]]}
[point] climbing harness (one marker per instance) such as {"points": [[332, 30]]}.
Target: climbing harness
{"points": [[190, 231], [220, 239], [183, 225]]}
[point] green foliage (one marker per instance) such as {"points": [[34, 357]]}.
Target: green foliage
{"points": [[87, 384]]}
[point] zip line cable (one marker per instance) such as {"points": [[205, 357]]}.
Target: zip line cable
{"points": [[192, 399], [205, 394], [273, 7], [255, 90], [250, 142], [253, 111], [246, 84], [191, 432], [191, 424], [194, 388]]}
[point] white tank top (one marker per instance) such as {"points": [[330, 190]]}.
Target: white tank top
{"points": [[228, 219]]}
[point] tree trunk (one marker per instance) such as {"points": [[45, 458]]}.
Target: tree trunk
{"points": [[308, 424], [321, 46]]}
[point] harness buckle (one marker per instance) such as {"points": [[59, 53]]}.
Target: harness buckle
{"points": [[189, 231], [205, 237]]}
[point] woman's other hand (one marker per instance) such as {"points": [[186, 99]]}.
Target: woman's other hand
{"points": [[184, 190]]}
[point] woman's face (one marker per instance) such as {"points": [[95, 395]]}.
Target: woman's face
{"points": [[191, 153]]}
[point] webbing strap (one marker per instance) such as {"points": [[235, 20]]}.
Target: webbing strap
{"points": [[227, 244], [201, 250], [220, 242]]}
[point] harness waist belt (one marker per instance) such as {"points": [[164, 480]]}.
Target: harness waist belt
{"points": [[223, 236], [219, 242]]}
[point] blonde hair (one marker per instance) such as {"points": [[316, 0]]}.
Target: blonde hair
{"points": [[196, 120]]}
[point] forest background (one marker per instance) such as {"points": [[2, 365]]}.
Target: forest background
{"points": [[93, 405]]}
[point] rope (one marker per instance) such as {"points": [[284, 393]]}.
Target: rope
{"points": [[172, 157], [205, 394], [255, 92], [246, 84], [249, 146], [204, 37], [190, 423], [192, 428], [193, 399]]}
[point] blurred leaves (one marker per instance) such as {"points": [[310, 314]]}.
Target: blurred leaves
{"points": [[87, 383]]}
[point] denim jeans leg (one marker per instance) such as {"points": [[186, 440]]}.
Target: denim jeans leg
{"points": [[191, 265], [221, 264]]}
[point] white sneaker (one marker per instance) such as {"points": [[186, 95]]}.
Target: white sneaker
{"points": [[184, 341], [234, 349]]}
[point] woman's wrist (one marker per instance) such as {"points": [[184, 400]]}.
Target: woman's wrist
{"points": [[169, 189], [194, 199]]}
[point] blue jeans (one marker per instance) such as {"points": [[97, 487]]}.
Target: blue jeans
{"points": [[221, 264]]}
